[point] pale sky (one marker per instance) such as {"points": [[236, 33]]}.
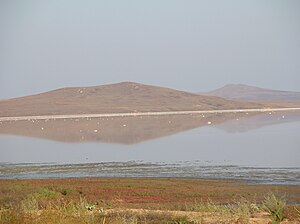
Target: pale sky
{"points": [[190, 45]]}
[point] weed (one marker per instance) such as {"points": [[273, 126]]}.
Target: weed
{"points": [[5, 215], [275, 205], [45, 193], [298, 211], [242, 210], [29, 205]]}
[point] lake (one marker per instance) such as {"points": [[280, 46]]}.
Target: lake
{"points": [[258, 147]]}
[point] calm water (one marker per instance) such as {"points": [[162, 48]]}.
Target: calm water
{"points": [[264, 148]]}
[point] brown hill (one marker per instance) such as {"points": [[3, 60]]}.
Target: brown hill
{"points": [[251, 93], [114, 98]]}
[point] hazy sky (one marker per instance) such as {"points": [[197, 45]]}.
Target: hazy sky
{"points": [[188, 45]]}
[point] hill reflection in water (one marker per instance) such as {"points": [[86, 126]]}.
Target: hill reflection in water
{"points": [[132, 130]]}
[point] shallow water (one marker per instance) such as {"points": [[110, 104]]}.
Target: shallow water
{"points": [[264, 148], [196, 169]]}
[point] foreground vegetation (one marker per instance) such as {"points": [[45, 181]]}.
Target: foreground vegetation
{"points": [[146, 201], [32, 210]]}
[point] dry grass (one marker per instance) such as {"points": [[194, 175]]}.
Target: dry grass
{"points": [[33, 209], [70, 212], [275, 206], [144, 201], [30, 211]]}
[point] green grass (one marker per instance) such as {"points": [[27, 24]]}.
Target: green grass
{"points": [[275, 206], [44, 192]]}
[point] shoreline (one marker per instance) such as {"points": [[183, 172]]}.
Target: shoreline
{"points": [[176, 170], [134, 114]]}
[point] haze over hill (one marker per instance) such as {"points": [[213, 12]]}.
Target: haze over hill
{"points": [[251, 93], [114, 98]]}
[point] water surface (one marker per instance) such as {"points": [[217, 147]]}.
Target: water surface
{"points": [[261, 147]]}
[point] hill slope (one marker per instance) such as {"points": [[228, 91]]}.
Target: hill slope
{"points": [[251, 93], [114, 98]]}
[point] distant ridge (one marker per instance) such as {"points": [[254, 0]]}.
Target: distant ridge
{"points": [[114, 98], [252, 93]]}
